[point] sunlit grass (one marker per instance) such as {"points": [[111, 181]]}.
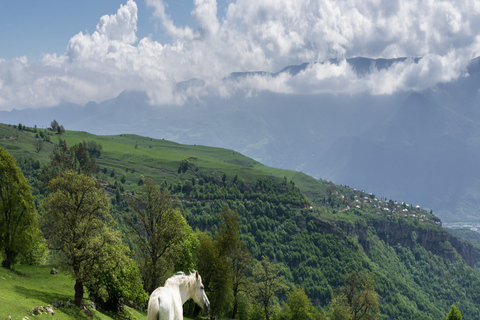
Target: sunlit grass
{"points": [[34, 286]]}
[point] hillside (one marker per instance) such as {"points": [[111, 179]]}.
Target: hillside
{"points": [[317, 230]]}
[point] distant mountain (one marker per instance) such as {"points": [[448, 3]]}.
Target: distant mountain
{"points": [[421, 147]]}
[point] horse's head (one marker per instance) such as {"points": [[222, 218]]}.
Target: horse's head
{"points": [[198, 293]]}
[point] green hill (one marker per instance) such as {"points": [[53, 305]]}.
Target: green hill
{"points": [[317, 230]]}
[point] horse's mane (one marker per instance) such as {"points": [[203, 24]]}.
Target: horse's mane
{"points": [[181, 278]]}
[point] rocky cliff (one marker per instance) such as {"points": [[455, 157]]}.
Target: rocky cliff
{"points": [[434, 238]]}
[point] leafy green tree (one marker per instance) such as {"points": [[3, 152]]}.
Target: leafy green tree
{"points": [[38, 144], [228, 235], [299, 306], [357, 297], [216, 263], [339, 310], [37, 255], [241, 259], [94, 148], [216, 274], [76, 219], [454, 313], [116, 279], [269, 284], [54, 125], [65, 158], [160, 232], [18, 217]]}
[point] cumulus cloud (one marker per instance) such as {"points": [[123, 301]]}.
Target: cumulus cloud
{"points": [[254, 35]]}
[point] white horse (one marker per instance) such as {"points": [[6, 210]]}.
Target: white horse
{"points": [[166, 302]]}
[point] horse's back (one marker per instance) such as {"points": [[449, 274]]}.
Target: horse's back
{"points": [[162, 305]]}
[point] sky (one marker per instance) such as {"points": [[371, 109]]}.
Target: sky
{"points": [[59, 51]]}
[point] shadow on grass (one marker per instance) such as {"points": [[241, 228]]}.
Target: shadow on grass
{"points": [[48, 298], [45, 296]]}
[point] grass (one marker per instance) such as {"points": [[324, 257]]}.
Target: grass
{"points": [[158, 159], [34, 286]]}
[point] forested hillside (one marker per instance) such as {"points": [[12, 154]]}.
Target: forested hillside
{"points": [[314, 230]]}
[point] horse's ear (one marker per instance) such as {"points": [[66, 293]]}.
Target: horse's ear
{"points": [[196, 274]]}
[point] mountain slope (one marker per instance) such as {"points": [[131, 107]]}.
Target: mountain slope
{"points": [[420, 269]]}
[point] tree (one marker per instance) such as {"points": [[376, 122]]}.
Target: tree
{"points": [[357, 297], [242, 260], [94, 148], [54, 125], [454, 313], [38, 144], [299, 306], [217, 260], [269, 284], [65, 158], [18, 217], [228, 235], [76, 219], [216, 274], [160, 231], [117, 279]]}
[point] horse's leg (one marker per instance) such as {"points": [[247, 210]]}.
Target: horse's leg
{"points": [[177, 311]]}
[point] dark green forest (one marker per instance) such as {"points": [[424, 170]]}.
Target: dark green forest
{"points": [[315, 232]]}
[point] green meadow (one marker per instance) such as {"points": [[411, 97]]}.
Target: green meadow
{"points": [[134, 156], [34, 286]]}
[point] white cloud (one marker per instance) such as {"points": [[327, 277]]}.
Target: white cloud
{"points": [[253, 35]]}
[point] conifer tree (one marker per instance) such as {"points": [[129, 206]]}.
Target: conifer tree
{"points": [[454, 313]]}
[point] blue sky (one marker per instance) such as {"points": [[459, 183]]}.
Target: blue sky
{"points": [[70, 51], [33, 28]]}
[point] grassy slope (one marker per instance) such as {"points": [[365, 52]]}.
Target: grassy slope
{"points": [[34, 286], [159, 159]]}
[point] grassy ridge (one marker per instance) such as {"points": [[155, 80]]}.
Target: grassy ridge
{"points": [[134, 156]]}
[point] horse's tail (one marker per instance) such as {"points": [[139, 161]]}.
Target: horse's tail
{"points": [[153, 311]]}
